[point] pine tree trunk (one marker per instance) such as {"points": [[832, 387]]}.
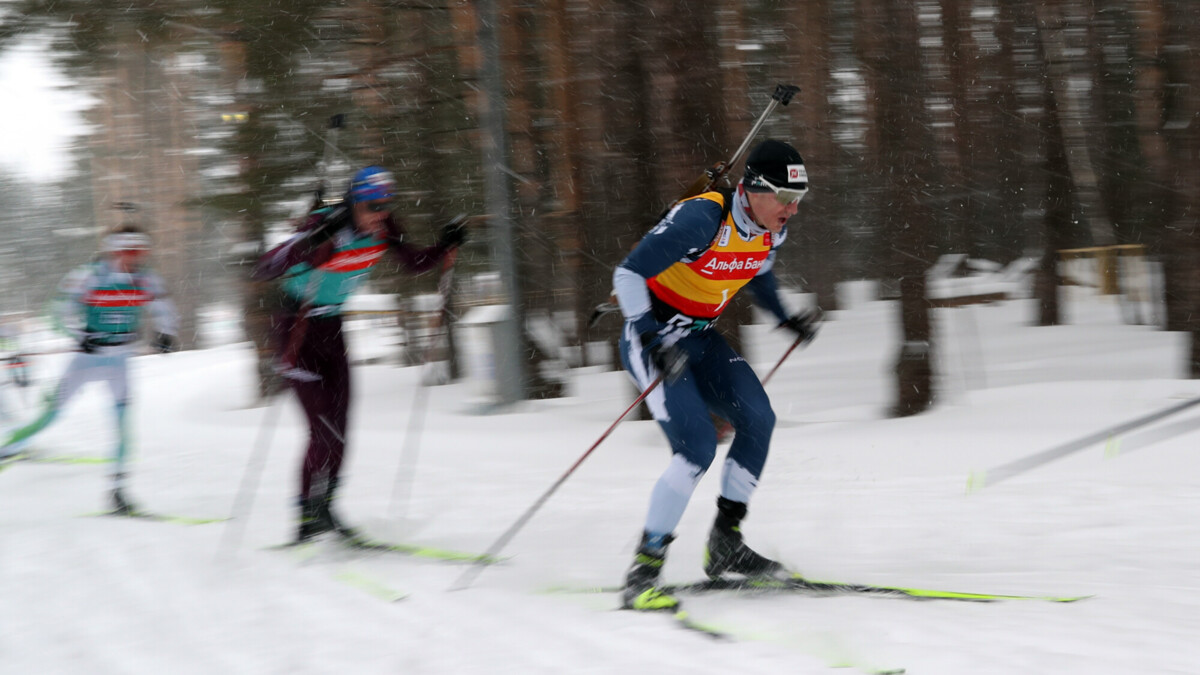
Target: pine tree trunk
{"points": [[901, 120], [1182, 130], [1060, 187], [255, 296], [815, 238]]}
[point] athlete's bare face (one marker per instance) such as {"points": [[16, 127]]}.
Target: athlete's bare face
{"points": [[768, 212], [369, 217]]}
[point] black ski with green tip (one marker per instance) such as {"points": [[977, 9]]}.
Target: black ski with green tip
{"points": [[363, 543], [305, 551], [800, 585], [158, 517], [26, 456], [370, 585], [359, 542], [684, 620], [8, 461]]}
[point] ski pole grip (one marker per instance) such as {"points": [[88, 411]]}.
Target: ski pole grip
{"points": [[785, 92]]}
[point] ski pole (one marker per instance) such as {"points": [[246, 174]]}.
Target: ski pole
{"points": [[244, 501], [402, 493], [494, 550], [1119, 446], [796, 343], [982, 479]]}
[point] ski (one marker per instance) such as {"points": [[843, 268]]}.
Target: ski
{"points": [[158, 517], [801, 585], [25, 456], [306, 551], [358, 542], [66, 459], [9, 460], [363, 543], [686, 622], [682, 619], [370, 586]]}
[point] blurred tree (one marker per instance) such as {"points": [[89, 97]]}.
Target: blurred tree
{"points": [[510, 343], [564, 45], [1157, 196], [854, 183], [439, 126], [1181, 128], [1008, 236], [618, 194], [817, 238], [1066, 36], [279, 104], [608, 109], [139, 154], [900, 91], [401, 65], [962, 64], [1059, 204], [527, 41], [1121, 166], [45, 230]]}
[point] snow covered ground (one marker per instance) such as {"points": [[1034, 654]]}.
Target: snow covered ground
{"points": [[848, 495]]}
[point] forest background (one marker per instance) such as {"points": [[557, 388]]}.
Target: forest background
{"points": [[1003, 130]]}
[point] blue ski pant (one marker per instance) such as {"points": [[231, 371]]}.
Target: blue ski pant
{"points": [[717, 380]]}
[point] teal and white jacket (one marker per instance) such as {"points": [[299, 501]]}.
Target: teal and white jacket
{"points": [[98, 302], [320, 278]]}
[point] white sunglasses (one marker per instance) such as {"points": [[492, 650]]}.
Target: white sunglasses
{"points": [[785, 196], [127, 241]]}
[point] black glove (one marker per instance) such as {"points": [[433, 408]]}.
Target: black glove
{"points": [[805, 325], [454, 233], [670, 360], [321, 234], [325, 230], [601, 311], [164, 343], [89, 343]]}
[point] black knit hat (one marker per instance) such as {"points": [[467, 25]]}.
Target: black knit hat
{"points": [[777, 163]]}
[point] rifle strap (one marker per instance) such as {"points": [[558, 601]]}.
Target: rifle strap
{"points": [[727, 199]]}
